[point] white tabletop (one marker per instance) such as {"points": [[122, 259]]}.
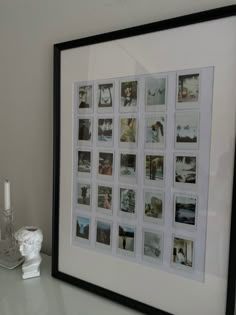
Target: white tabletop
{"points": [[46, 295]]}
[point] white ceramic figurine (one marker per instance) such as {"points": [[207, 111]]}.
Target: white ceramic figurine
{"points": [[30, 241]]}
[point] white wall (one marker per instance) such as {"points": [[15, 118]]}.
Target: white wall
{"points": [[28, 30]]}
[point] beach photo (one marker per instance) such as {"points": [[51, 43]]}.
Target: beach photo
{"points": [[187, 130], [155, 91], [126, 238], [185, 209]]}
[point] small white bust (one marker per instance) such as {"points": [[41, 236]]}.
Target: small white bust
{"points": [[30, 242]]}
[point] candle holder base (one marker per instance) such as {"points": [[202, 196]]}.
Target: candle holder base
{"points": [[7, 227], [10, 257]]}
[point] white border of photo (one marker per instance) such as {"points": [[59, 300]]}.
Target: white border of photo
{"points": [[123, 214], [187, 186], [120, 251], [150, 219], [129, 179], [104, 143], [104, 109], [151, 182], [84, 142], [129, 109], [187, 145], [85, 174], [155, 145], [149, 259], [104, 177], [126, 144], [80, 205], [77, 85], [100, 209], [79, 240], [193, 104], [180, 266], [185, 226], [102, 246], [156, 107]]}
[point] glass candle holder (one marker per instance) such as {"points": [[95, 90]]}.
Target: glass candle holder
{"points": [[7, 227], [10, 256]]}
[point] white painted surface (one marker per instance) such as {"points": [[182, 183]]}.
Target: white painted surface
{"points": [[48, 296]]}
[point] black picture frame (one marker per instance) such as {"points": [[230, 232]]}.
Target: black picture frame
{"points": [[219, 13]]}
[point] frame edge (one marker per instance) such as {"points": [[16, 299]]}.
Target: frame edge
{"points": [[56, 158], [199, 17], [231, 285], [194, 18], [105, 293]]}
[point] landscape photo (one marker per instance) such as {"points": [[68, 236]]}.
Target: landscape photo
{"points": [[185, 210], [187, 128], [103, 233], [82, 227]]}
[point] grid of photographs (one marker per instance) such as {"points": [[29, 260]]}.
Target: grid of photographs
{"points": [[130, 198]]}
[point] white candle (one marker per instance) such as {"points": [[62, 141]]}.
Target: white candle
{"points": [[7, 195]]}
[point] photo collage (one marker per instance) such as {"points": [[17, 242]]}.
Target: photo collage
{"points": [[137, 173]]}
